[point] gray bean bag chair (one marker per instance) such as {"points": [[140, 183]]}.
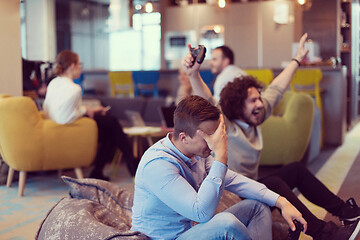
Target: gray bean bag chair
{"points": [[98, 209]]}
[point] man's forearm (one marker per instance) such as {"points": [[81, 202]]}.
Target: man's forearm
{"points": [[222, 156], [284, 78], [199, 87]]}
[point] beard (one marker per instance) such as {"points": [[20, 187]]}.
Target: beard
{"points": [[254, 119]]}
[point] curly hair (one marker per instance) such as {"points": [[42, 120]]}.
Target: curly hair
{"points": [[234, 94], [190, 112], [64, 60]]}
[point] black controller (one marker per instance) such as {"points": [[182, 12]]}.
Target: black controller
{"points": [[198, 53], [294, 235]]}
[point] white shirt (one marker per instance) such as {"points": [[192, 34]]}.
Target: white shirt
{"points": [[227, 75], [63, 101]]}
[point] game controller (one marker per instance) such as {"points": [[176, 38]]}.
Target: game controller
{"points": [[294, 235], [198, 53]]}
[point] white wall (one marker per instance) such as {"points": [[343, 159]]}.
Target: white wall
{"points": [[10, 48], [250, 31]]}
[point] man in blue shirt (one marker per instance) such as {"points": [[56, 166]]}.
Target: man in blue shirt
{"points": [[181, 178]]}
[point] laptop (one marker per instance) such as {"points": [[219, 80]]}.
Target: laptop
{"points": [[167, 116], [135, 118]]}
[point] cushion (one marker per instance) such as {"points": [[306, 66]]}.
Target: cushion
{"points": [[96, 209]]}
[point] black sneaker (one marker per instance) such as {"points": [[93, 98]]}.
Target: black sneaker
{"points": [[334, 232], [350, 213]]}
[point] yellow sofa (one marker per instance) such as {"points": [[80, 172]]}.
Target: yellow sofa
{"points": [[29, 142], [286, 134]]}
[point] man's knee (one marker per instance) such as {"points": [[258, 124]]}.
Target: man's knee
{"points": [[294, 167], [228, 221], [261, 208], [273, 182], [256, 210]]}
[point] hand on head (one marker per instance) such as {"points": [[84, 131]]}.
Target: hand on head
{"points": [[217, 141]]}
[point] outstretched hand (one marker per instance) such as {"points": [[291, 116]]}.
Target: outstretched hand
{"points": [[301, 51]]}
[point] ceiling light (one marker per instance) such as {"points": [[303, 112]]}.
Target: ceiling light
{"points": [[221, 3], [217, 29], [301, 2], [138, 7], [149, 7]]}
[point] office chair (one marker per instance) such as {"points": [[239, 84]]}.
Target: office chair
{"points": [[80, 82], [208, 78], [121, 83], [145, 83]]}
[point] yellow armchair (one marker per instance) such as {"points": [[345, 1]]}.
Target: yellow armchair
{"points": [[286, 134], [29, 142]]}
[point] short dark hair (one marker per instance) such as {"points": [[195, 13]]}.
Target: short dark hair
{"points": [[190, 112], [234, 94], [227, 53]]}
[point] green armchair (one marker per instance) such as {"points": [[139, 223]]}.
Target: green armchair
{"points": [[286, 134], [29, 142]]}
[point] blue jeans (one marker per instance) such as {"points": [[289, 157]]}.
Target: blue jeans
{"points": [[248, 219]]}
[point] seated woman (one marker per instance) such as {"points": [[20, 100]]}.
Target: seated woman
{"points": [[63, 105]]}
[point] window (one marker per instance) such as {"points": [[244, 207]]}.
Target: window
{"points": [[137, 48]]}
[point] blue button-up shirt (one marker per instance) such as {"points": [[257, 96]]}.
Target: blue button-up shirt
{"points": [[172, 190]]}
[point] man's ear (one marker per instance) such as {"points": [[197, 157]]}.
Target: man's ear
{"points": [[226, 62], [183, 137]]}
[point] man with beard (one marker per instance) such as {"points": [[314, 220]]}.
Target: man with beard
{"points": [[245, 108]]}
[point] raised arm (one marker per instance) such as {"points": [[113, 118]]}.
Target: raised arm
{"points": [[284, 78], [191, 68]]}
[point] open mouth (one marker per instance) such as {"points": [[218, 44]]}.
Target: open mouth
{"points": [[256, 112]]}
